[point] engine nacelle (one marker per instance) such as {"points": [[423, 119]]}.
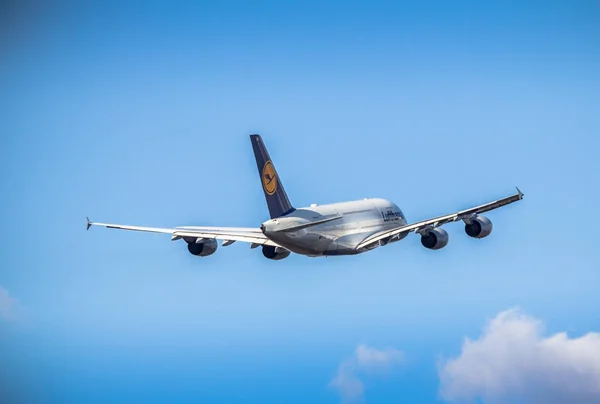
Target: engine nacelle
{"points": [[274, 253], [478, 227], [202, 249], [435, 239]]}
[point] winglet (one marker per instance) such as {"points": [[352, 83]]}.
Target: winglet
{"points": [[89, 224], [521, 194]]}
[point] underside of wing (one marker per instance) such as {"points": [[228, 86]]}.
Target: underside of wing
{"points": [[255, 239], [426, 226], [196, 234]]}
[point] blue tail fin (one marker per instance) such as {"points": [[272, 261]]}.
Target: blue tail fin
{"points": [[277, 200]]}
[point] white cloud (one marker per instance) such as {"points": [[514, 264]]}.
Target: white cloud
{"points": [[513, 362], [349, 386], [373, 359], [9, 306], [366, 360]]}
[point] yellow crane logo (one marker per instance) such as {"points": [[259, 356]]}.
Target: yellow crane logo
{"points": [[269, 178]]}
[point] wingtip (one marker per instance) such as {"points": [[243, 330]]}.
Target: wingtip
{"points": [[89, 224], [521, 194]]}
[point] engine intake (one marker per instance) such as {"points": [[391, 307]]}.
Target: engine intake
{"points": [[478, 227], [203, 249], [435, 239], [274, 253]]}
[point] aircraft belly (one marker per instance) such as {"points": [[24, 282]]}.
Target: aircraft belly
{"points": [[350, 233], [346, 244], [305, 241], [338, 237]]}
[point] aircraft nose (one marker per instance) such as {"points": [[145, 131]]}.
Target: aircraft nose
{"points": [[262, 228]]}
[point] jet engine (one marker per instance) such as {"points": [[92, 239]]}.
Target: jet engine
{"points": [[478, 227], [435, 239], [202, 249], [274, 253]]}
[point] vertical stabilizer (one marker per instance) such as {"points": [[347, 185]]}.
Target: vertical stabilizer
{"points": [[277, 199]]}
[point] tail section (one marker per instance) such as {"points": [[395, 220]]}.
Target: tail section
{"points": [[277, 200]]}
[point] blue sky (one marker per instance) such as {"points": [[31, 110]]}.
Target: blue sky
{"points": [[141, 115]]}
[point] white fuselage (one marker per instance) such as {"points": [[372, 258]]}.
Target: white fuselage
{"points": [[342, 226]]}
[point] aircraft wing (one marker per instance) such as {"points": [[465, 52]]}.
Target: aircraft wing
{"points": [[227, 234], [438, 221]]}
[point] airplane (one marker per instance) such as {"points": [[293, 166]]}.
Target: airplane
{"points": [[345, 228]]}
